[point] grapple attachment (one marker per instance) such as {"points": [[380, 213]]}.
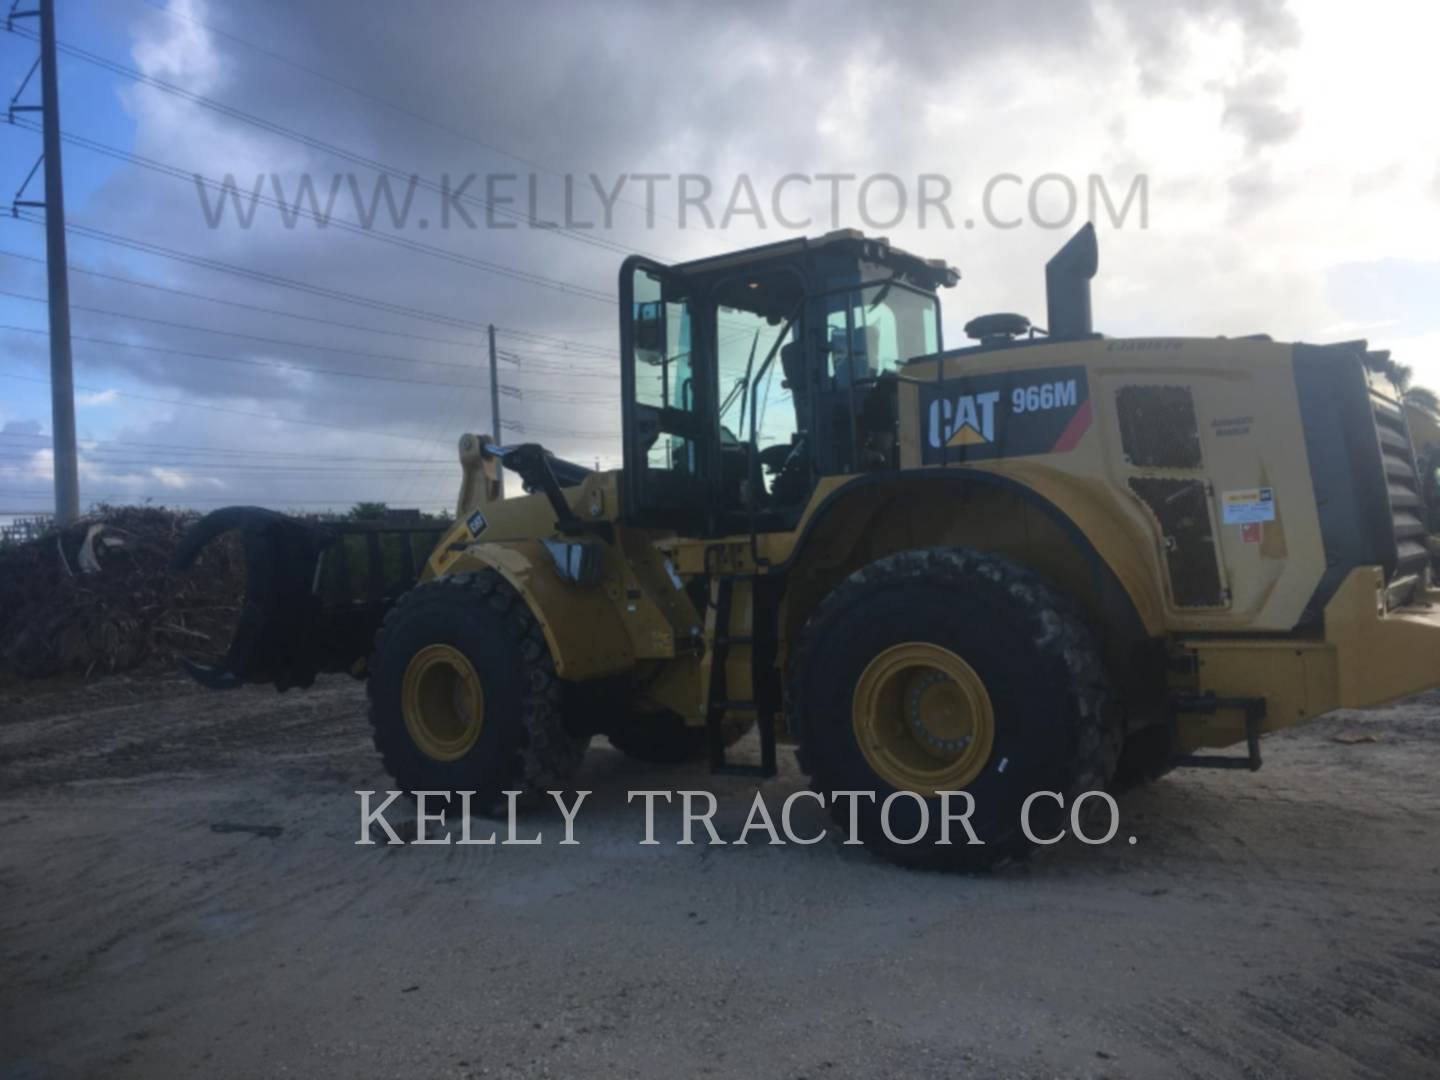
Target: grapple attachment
{"points": [[315, 592]]}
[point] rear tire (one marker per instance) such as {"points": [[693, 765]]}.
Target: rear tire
{"points": [[1041, 724], [520, 743]]}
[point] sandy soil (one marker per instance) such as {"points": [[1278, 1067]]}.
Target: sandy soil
{"points": [[1280, 924]]}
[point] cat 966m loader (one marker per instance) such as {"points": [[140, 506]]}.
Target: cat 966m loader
{"points": [[1043, 560]]}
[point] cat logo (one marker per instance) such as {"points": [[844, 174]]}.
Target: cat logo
{"points": [[968, 421], [1003, 414]]}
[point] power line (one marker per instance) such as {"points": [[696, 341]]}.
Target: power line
{"points": [[541, 395], [519, 426], [519, 334], [278, 471], [244, 360], [288, 343], [565, 433], [222, 408], [161, 499], [567, 397], [182, 448], [265, 468], [276, 280], [264, 277], [559, 351], [445, 420], [250, 337], [402, 109], [333, 150], [538, 367], [527, 365], [327, 222]]}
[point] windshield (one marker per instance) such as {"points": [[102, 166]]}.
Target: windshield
{"points": [[744, 341], [877, 328]]}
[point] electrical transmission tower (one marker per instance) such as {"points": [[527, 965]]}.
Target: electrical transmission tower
{"points": [[62, 381]]}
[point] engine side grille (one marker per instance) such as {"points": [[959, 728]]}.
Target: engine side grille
{"points": [[1366, 492], [1402, 487]]}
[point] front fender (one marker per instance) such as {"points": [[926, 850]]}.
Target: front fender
{"points": [[582, 626]]}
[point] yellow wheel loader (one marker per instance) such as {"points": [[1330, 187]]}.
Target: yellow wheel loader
{"points": [[1043, 560]]}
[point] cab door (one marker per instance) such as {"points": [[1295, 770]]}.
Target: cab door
{"points": [[667, 414]]}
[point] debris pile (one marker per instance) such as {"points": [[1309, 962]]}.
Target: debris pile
{"points": [[99, 596]]}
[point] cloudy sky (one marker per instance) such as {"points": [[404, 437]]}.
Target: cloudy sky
{"points": [[1289, 163]]}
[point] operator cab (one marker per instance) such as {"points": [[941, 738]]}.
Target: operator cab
{"points": [[747, 376]]}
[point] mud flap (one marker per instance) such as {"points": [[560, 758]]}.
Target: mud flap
{"points": [[315, 592]]}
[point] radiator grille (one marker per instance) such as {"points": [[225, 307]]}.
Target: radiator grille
{"points": [[1402, 487]]}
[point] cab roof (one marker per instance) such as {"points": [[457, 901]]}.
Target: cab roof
{"points": [[852, 243]]}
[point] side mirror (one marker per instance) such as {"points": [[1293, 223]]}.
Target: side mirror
{"points": [[649, 327]]}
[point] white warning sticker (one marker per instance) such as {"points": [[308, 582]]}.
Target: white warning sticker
{"points": [[1248, 506]]}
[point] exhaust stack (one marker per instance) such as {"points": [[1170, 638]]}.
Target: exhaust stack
{"points": [[1067, 286]]}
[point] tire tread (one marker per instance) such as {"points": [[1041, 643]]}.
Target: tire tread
{"points": [[1061, 633]]}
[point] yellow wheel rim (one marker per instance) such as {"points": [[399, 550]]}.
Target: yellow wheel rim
{"points": [[443, 702], [923, 718]]}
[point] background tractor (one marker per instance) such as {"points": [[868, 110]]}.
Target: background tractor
{"points": [[1045, 560]]}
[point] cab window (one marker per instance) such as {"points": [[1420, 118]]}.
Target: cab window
{"points": [[665, 375], [877, 328]]}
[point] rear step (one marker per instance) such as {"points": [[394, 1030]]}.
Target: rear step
{"points": [[1254, 710]]}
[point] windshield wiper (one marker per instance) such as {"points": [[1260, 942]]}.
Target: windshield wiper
{"points": [[735, 392], [749, 366]]}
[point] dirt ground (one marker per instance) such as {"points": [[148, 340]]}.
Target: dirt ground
{"points": [[1279, 924]]}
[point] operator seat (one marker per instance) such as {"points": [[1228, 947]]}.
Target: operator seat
{"points": [[848, 357]]}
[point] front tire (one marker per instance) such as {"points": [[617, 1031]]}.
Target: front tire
{"points": [[464, 696], [947, 669]]}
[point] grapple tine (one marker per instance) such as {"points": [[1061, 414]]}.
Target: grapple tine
{"points": [[297, 621]]}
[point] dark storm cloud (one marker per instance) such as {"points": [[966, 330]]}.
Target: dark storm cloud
{"points": [[610, 88], [607, 88]]}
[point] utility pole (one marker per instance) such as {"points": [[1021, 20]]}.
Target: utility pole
{"points": [[495, 432], [62, 379]]}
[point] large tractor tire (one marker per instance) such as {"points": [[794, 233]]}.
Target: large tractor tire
{"points": [[947, 669], [665, 738], [464, 696]]}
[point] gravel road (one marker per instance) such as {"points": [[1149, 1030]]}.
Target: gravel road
{"points": [[181, 894]]}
